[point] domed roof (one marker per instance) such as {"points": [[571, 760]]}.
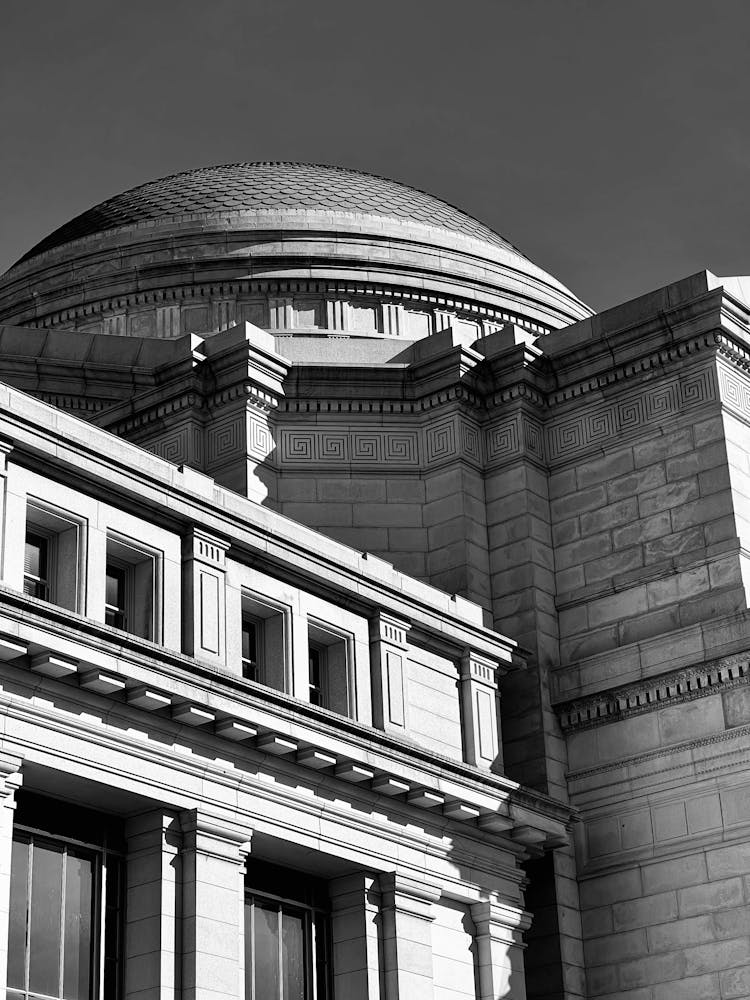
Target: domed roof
{"points": [[268, 186]]}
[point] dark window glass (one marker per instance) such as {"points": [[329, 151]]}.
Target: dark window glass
{"points": [[79, 886], [316, 669], [46, 908], [250, 652], [293, 956], [36, 566], [286, 943], [266, 953], [115, 612], [54, 920], [19, 889]]}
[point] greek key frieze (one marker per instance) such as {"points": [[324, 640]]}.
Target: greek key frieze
{"points": [[631, 412], [318, 446]]}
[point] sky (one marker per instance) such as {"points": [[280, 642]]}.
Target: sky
{"points": [[607, 139]]}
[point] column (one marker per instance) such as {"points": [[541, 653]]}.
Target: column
{"points": [[354, 930], [499, 940], [389, 669], [153, 880], [213, 911], [406, 920], [10, 782], [480, 717], [204, 596]]}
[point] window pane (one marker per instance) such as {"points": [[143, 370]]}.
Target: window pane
{"points": [[35, 557], [115, 587], [19, 874], [46, 905], [293, 957], [266, 954], [79, 882]]}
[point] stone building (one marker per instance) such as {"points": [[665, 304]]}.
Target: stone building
{"points": [[374, 617]]}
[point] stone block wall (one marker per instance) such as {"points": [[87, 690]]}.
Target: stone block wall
{"points": [[646, 538]]}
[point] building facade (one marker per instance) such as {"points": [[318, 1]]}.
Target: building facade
{"points": [[289, 452]]}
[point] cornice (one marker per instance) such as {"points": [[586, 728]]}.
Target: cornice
{"points": [[206, 292], [654, 693], [657, 359], [269, 722], [701, 765]]}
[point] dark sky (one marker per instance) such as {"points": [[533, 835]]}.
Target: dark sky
{"points": [[607, 139]]}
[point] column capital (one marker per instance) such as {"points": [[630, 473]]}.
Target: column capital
{"points": [[502, 921], [6, 447], [207, 548], [385, 627], [159, 826], [11, 778], [407, 894], [480, 668], [215, 836]]}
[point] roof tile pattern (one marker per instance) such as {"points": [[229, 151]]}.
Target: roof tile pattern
{"points": [[268, 186]]}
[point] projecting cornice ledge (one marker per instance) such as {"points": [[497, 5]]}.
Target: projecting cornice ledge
{"points": [[655, 693]]}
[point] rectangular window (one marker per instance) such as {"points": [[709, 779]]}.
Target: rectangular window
{"points": [[36, 566], [131, 600], [286, 939], [53, 566], [265, 632], [330, 668], [115, 610], [317, 673], [252, 634], [58, 891]]}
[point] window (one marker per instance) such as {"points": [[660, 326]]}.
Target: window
{"points": [[252, 634], [36, 566], [131, 588], [286, 936], [330, 660], [115, 613], [64, 936], [317, 675], [265, 633], [53, 556]]}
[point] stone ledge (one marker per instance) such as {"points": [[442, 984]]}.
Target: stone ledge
{"points": [[678, 686]]}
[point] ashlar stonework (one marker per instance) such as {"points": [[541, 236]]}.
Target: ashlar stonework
{"points": [[362, 590]]}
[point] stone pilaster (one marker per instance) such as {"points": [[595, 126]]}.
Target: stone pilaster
{"points": [[204, 596], [499, 941], [479, 711], [390, 675], [407, 915], [213, 917], [354, 930], [153, 880], [10, 782]]}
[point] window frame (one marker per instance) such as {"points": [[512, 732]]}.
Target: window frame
{"points": [[250, 664], [328, 640], [42, 582], [317, 965], [266, 612], [317, 691], [65, 535], [107, 895], [129, 557]]}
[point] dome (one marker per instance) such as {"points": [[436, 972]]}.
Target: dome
{"points": [[268, 186], [291, 247]]}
